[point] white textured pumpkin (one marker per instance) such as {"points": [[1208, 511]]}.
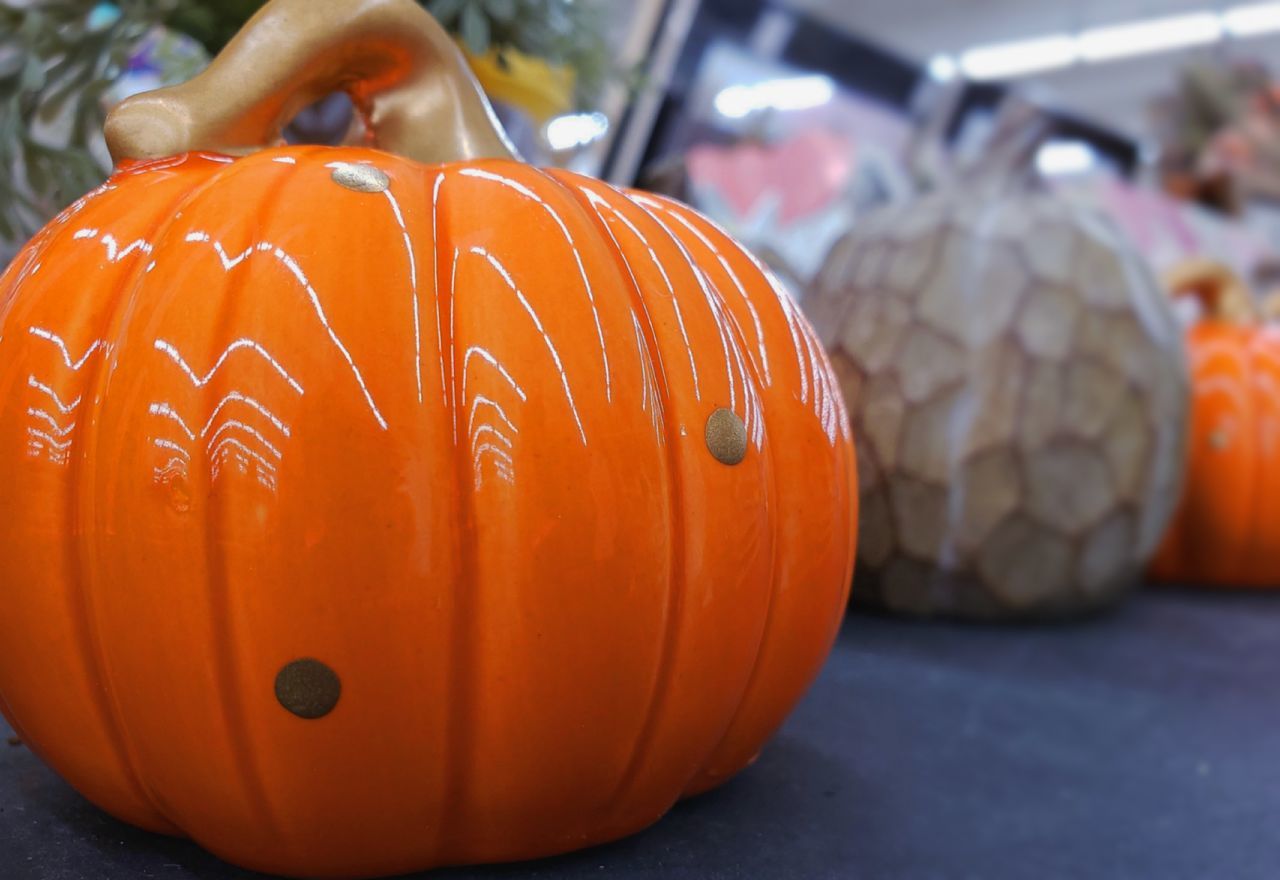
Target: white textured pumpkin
{"points": [[1019, 392]]}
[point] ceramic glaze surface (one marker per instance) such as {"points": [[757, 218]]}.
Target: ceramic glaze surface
{"points": [[1019, 393], [449, 440], [1226, 531]]}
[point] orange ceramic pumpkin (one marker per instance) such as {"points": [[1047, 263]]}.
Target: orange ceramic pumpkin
{"points": [[367, 513], [1227, 527]]}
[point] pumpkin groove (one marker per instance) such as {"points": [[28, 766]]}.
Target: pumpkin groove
{"points": [[86, 377], [675, 580]]}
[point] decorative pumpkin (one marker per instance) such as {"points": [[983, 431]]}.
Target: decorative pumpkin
{"points": [[1018, 392], [1227, 527], [370, 512]]}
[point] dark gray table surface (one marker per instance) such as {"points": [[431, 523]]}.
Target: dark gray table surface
{"points": [[1141, 744]]}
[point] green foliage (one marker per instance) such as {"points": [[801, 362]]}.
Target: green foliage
{"points": [[54, 68], [214, 23]]}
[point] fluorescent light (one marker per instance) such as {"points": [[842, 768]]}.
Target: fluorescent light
{"points": [[1152, 35], [943, 68], [1256, 18], [1101, 44], [1001, 60], [575, 130], [792, 93], [1061, 158]]}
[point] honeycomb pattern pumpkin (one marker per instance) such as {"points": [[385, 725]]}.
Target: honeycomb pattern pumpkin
{"points": [[1019, 393], [370, 512]]}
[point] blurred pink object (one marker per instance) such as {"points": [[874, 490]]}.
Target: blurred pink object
{"points": [[1168, 231], [805, 173]]}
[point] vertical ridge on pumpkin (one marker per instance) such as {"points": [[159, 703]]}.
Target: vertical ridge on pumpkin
{"points": [[1253, 501], [1200, 542], [530, 193], [413, 283], [201, 382], [707, 767], [674, 211], [714, 249], [217, 588], [84, 516], [737, 375], [1265, 546], [588, 199], [460, 710]]}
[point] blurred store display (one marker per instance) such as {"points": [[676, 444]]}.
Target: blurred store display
{"points": [[783, 156], [1220, 134], [1168, 229], [783, 159]]}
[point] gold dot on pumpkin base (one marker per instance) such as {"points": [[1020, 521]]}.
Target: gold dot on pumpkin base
{"points": [[361, 178], [1218, 440], [726, 436], [308, 688]]}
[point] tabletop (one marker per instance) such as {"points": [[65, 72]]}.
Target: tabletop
{"points": [[1143, 743]]}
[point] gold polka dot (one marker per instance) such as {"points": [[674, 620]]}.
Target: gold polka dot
{"points": [[308, 688], [361, 178], [1219, 440], [726, 436]]}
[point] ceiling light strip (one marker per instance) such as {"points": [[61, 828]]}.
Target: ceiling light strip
{"points": [[1114, 42]]}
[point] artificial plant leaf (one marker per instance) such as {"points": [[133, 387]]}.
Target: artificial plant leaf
{"points": [[501, 10], [33, 76], [475, 29], [445, 11]]}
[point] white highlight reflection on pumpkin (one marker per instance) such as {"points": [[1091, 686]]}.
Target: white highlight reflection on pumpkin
{"points": [[243, 343], [65, 408], [733, 276], [597, 202], [573, 249], [72, 363], [295, 269], [413, 287], [537, 323]]}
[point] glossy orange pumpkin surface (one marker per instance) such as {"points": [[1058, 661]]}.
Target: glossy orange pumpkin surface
{"points": [[450, 439], [1226, 530]]}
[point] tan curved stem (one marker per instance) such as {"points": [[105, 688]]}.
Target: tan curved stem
{"points": [[1220, 290], [405, 75]]}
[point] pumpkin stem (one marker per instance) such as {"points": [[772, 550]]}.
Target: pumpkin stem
{"points": [[1219, 290], [403, 72], [1007, 162]]}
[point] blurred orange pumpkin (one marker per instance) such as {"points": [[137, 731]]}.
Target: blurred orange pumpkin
{"points": [[366, 515], [1226, 530]]}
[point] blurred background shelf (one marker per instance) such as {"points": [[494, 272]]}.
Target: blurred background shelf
{"points": [[1140, 744]]}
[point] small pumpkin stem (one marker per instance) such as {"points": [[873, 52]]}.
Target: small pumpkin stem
{"points": [[1007, 162], [403, 72], [1220, 291]]}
